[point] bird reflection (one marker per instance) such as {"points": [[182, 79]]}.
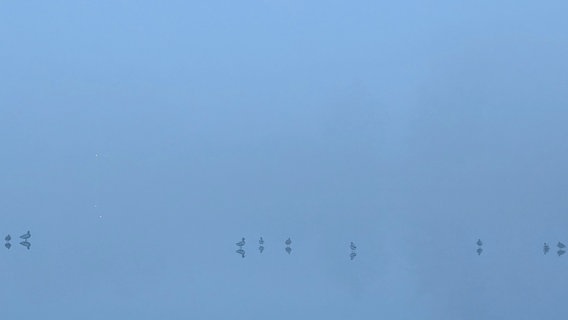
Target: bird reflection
{"points": [[479, 251], [560, 252], [353, 255], [26, 244], [241, 252], [289, 250]]}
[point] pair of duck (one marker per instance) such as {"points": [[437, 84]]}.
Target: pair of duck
{"points": [[25, 243], [561, 246], [261, 242]]}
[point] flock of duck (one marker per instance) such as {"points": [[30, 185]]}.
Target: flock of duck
{"points": [[242, 243], [561, 247], [546, 248], [24, 243], [288, 242], [288, 247]]}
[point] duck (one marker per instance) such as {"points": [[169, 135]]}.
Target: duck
{"points": [[261, 241], [352, 255], [241, 243], [353, 246], [26, 244], [546, 248], [26, 236], [561, 245], [288, 242], [479, 242], [8, 238]]}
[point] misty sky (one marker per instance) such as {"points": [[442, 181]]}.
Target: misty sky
{"points": [[140, 140]]}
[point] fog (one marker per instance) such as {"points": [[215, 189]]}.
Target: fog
{"points": [[141, 140]]}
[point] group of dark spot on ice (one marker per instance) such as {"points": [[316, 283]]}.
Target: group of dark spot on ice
{"points": [[561, 248], [24, 243], [288, 247], [546, 248], [242, 243]]}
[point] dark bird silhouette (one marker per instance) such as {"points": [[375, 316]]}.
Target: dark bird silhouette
{"points": [[8, 238], [288, 242], [479, 242], [26, 236], [352, 255], [241, 252], [261, 241], [7, 245], [561, 252], [546, 248], [289, 250], [261, 248], [353, 246], [561, 245], [241, 243], [479, 251], [26, 244]]}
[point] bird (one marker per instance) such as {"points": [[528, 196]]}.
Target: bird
{"points": [[546, 248], [352, 255], [261, 248], [353, 246], [7, 245], [561, 252], [8, 238], [241, 243], [479, 243], [288, 242], [26, 244], [261, 241], [479, 251], [26, 236], [289, 250], [561, 245]]}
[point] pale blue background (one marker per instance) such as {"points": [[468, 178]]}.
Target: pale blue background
{"points": [[139, 140]]}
